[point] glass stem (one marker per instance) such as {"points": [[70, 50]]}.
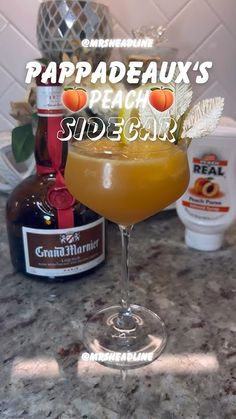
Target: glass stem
{"points": [[124, 320]]}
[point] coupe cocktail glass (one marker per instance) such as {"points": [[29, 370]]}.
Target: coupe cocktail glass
{"points": [[126, 183]]}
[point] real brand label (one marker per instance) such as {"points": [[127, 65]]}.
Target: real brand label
{"points": [[207, 188], [49, 101], [63, 252]]}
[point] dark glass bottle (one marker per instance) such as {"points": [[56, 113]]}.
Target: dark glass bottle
{"points": [[50, 234]]}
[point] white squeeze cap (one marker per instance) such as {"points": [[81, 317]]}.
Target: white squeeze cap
{"points": [[206, 242]]}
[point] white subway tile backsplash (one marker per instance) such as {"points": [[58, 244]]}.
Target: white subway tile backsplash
{"points": [[23, 16], [134, 13], [5, 124], [5, 80], [220, 49], [3, 22], [191, 27], [170, 8], [13, 94], [15, 52], [226, 11]]}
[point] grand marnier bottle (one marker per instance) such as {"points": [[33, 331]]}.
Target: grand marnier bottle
{"points": [[51, 235]]}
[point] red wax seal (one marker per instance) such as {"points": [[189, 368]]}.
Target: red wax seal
{"points": [[60, 198]]}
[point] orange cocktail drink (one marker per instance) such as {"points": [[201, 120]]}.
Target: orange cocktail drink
{"points": [[126, 183]]}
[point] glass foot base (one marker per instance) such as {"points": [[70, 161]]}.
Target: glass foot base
{"points": [[134, 345]]}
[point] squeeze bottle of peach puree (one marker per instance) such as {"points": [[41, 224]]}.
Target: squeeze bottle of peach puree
{"points": [[208, 207]]}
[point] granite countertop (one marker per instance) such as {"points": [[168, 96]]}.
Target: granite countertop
{"points": [[42, 375]]}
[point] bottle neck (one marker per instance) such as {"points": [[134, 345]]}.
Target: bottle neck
{"points": [[50, 152]]}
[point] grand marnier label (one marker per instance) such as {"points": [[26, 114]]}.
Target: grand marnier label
{"points": [[64, 252]]}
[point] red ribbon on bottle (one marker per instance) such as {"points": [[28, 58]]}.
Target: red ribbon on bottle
{"points": [[58, 196]]}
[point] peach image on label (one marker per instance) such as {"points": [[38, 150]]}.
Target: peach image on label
{"points": [[206, 187]]}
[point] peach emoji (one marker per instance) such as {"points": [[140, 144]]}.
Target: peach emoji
{"points": [[74, 99], [161, 98]]}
